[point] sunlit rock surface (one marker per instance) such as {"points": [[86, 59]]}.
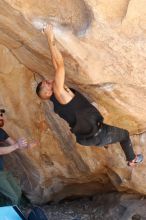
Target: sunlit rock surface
{"points": [[104, 48]]}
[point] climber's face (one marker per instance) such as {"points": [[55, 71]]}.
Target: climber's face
{"points": [[46, 89]]}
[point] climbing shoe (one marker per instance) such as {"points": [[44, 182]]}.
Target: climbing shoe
{"points": [[137, 160]]}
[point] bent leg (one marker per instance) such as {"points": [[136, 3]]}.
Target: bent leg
{"points": [[111, 134]]}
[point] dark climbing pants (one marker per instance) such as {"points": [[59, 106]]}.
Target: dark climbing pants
{"points": [[108, 135], [37, 214]]}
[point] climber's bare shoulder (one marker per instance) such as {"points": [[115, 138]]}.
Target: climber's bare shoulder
{"points": [[64, 96]]}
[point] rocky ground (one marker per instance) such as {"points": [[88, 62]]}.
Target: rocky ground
{"points": [[111, 206]]}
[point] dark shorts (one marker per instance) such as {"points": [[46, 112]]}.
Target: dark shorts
{"points": [[3, 137], [37, 214]]}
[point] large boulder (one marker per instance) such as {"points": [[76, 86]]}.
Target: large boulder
{"points": [[104, 48]]}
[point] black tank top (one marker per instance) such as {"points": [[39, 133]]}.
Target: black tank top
{"points": [[78, 110]]}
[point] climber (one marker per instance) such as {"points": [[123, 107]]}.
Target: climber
{"points": [[8, 185], [84, 119]]}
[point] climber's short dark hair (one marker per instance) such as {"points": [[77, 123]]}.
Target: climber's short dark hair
{"points": [[38, 88]]}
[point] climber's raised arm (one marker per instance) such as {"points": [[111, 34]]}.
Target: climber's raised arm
{"points": [[48, 88], [57, 60]]}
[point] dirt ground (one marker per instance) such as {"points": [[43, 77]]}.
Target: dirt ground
{"points": [[111, 206]]}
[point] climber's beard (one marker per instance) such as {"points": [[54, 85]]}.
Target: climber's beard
{"points": [[1, 123]]}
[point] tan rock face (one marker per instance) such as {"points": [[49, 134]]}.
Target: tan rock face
{"points": [[104, 48]]}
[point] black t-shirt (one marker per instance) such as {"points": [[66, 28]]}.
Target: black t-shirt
{"points": [[3, 137]]}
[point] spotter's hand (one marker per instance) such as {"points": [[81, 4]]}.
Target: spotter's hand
{"points": [[22, 143]]}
